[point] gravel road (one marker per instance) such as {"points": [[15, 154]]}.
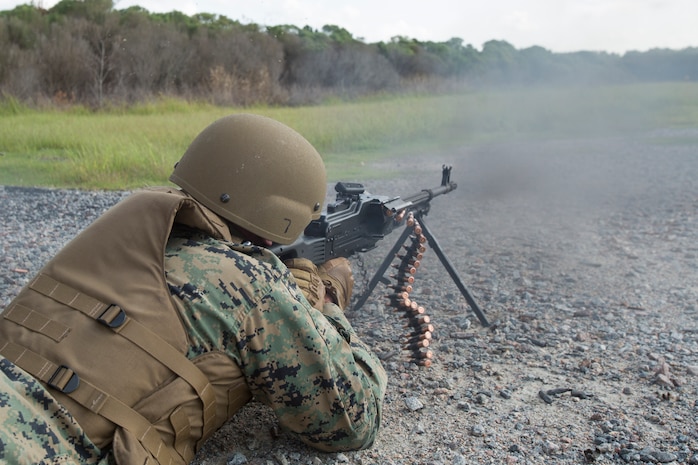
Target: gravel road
{"points": [[583, 255]]}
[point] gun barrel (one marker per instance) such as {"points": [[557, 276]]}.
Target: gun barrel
{"points": [[426, 195], [423, 197]]}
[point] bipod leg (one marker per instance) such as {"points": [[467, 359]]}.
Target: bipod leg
{"points": [[384, 266], [452, 271]]}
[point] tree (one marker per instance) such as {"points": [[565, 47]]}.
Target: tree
{"points": [[85, 51], [500, 62], [103, 42], [64, 64], [90, 10], [337, 34], [23, 26]]}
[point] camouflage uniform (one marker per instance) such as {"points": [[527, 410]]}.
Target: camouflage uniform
{"points": [[322, 382], [34, 428], [309, 366]]}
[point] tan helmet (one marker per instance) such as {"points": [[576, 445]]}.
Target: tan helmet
{"points": [[257, 173]]}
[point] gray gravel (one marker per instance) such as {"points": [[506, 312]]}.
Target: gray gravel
{"points": [[583, 254]]}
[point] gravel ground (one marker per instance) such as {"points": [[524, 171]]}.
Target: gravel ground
{"points": [[583, 256]]}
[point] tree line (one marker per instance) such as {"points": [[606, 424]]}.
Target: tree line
{"points": [[87, 52]]}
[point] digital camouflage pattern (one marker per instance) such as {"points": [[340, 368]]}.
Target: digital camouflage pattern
{"points": [[323, 383], [34, 428]]}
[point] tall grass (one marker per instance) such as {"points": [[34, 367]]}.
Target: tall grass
{"points": [[137, 146]]}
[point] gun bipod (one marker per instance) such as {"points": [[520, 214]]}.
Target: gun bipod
{"points": [[418, 234]]}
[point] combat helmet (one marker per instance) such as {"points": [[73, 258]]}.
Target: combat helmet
{"points": [[256, 173]]}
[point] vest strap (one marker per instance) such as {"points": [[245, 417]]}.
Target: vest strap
{"points": [[181, 428], [35, 321], [175, 361], [67, 381], [116, 319]]}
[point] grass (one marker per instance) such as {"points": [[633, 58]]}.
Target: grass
{"points": [[129, 148]]}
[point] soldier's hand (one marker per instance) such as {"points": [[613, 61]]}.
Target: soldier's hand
{"points": [[338, 278], [306, 275]]}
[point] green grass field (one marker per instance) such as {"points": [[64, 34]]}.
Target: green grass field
{"points": [[138, 146]]}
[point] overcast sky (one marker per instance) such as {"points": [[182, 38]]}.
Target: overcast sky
{"points": [[558, 25]]}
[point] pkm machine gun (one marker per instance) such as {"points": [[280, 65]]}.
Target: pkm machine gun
{"points": [[357, 220]]}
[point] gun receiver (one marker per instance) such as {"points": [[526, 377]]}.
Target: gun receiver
{"points": [[357, 220]]}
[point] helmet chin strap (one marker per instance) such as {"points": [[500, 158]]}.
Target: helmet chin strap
{"points": [[246, 236]]}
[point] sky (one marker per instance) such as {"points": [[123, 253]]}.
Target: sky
{"points": [[614, 26]]}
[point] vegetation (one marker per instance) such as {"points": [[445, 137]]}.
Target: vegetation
{"points": [[85, 52], [95, 97], [120, 148]]}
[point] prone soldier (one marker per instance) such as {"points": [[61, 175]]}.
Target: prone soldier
{"points": [[153, 326]]}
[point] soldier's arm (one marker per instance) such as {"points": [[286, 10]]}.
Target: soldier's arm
{"points": [[323, 383], [310, 367]]}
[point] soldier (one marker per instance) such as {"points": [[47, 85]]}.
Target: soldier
{"points": [[152, 327]]}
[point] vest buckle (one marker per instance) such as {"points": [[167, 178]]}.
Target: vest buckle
{"points": [[64, 379], [112, 317]]}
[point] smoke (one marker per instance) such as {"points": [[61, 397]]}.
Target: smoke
{"points": [[569, 190]]}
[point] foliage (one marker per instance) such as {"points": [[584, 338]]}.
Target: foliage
{"points": [[87, 52]]}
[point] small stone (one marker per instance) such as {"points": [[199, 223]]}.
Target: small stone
{"points": [[419, 429], [665, 457], [629, 455], [237, 459], [413, 403], [605, 448], [463, 405], [550, 448], [477, 431], [281, 458], [648, 454], [663, 380]]}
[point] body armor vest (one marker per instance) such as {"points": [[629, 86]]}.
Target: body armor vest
{"points": [[98, 327]]}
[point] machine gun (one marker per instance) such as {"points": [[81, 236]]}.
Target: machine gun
{"points": [[357, 220]]}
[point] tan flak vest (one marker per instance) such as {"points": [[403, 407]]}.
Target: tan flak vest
{"points": [[99, 328]]}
